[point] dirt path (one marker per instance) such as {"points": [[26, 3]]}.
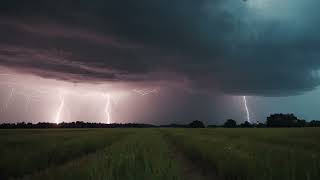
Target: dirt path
{"points": [[191, 170]]}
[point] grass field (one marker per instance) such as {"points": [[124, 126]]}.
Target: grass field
{"points": [[291, 154], [143, 154]]}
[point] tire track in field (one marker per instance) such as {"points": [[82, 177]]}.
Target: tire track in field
{"points": [[191, 169], [130, 148], [65, 164], [70, 161]]}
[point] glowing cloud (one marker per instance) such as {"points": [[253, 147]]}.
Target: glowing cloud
{"points": [[144, 92]]}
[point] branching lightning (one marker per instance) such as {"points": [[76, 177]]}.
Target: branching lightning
{"points": [[14, 92], [37, 94], [246, 108], [8, 100], [108, 99]]}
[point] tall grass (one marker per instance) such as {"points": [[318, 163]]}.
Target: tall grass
{"points": [[26, 151], [266, 154], [142, 156]]}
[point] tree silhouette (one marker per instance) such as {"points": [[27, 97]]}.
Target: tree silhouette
{"points": [[196, 124], [301, 123], [282, 120], [230, 123], [246, 125], [314, 123]]}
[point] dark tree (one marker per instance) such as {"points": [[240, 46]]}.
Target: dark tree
{"points": [[246, 125], [196, 124], [260, 125], [301, 123], [314, 123], [230, 123], [282, 120]]}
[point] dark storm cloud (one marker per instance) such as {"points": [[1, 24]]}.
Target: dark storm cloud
{"points": [[215, 44]]}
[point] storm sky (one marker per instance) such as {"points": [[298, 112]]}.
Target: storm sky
{"points": [[152, 61]]}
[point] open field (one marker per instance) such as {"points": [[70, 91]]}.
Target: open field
{"points": [[174, 154], [253, 153]]}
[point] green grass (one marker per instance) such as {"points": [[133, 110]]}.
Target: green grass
{"points": [[265, 154], [143, 154], [26, 151]]}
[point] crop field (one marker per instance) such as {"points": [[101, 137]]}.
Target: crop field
{"points": [[160, 154]]}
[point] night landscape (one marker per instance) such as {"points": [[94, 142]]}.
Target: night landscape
{"points": [[159, 90]]}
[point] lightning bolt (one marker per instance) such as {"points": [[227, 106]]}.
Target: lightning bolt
{"points": [[14, 92], [8, 100], [108, 108], [246, 108], [58, 115]]}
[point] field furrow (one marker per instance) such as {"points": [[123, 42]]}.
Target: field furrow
{"points": [[25, 152], [191, 169], [160, 154], [141, 156], [239, 154]]}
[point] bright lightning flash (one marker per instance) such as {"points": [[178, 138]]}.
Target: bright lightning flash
{"points": [[108, 108], [247, 109], [58, 115]]}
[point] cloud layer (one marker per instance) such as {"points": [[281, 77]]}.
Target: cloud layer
{"points": [[228, 46]]}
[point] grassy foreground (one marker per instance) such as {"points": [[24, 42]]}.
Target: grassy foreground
{"points": [[27, 151], [264, 154], [143, 154]]}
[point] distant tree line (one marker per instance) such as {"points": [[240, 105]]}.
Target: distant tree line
{"points": [[81, 124], [273, 121], [78, 124]]}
